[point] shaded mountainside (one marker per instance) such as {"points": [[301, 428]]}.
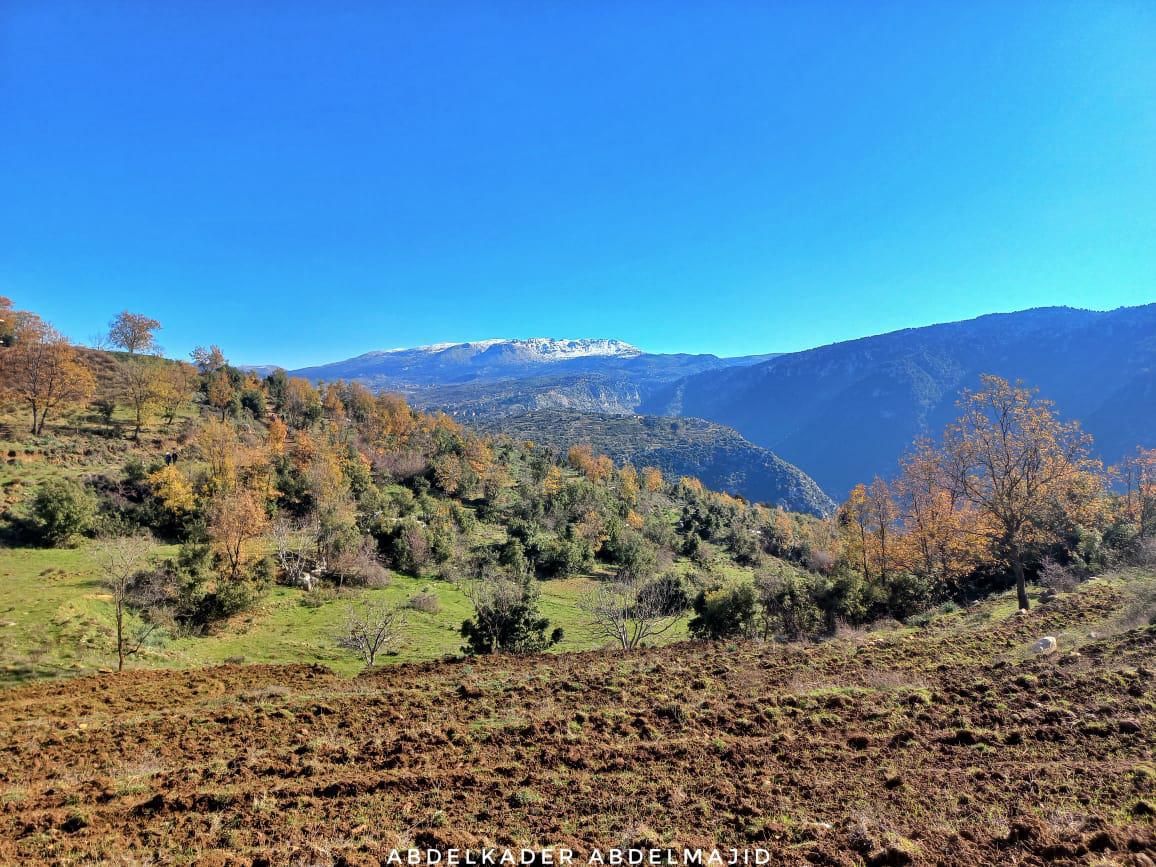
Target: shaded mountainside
{"points": [[849, 410], [715, 454], [488, 361], [591, 392], [947, 744]]}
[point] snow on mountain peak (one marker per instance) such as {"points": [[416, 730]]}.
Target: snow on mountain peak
{"points": [[537, 348]]}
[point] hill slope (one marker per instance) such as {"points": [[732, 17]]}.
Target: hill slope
{"points": [[587, 392], [949, 744], [847, 411], [716, 455]]}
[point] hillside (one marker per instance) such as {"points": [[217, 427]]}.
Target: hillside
{"points": [[715, 454], [253, 516], [944, 743], [587, 392], [847, 411]]}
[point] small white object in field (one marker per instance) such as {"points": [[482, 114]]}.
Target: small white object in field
{"points": [[1045, 645]]}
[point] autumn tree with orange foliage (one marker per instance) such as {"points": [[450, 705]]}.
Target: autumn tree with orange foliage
{"points": [[1012, 460], [42, 369], [237, 517], [937, 539], [134, 332], [1137, 476]]}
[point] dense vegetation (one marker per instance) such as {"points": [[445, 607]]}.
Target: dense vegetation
{"points": [[229, 485], [714, 454]]}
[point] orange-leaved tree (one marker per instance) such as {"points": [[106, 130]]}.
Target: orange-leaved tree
{"points": [[1010, 458], [41, 369]]}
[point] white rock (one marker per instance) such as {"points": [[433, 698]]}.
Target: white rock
{"points": [[1045, 645]]}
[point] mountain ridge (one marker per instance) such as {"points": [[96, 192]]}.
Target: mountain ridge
{"points": [[846, 411], [493, 360]]}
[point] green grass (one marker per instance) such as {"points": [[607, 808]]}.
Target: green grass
{"points": [[54, 615], [57, 619]]}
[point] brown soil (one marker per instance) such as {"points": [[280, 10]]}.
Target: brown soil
{"points": [[936, 748]]}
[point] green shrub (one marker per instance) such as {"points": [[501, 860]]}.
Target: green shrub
{"points": [[788, 606], [233, 597], [62, 510], [909, 594], [729, 611], [507, 619]]}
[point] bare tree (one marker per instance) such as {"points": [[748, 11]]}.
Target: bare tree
{"points": [[121, 561], [371, 628], [631, 610], [294, 546]]}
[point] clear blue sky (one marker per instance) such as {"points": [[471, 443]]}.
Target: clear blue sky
{"points": [[302, 182]]}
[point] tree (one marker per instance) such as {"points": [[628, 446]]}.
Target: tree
{"points": [[236, 517], [854, 517], [220, 393], [174, 386], [1137, 474], [1012, 459], [883, 516], [936, 542], [302, 406], [7, 321], [136, 381], [42, 370], [633, 610], [172, 489], [506, 617], [651, 479], [208, 360], [369, 629], [61, 510], [295, 546], [133, 332], [121, 561]]}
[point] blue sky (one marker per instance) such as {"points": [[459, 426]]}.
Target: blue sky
{"points": [[302, 182]]}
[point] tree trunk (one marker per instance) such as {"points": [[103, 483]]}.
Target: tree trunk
{"points": [[119, 636], [1021, 584]]}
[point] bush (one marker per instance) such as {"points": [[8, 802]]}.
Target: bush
{"points": [[909, 594], [1062, 579], [561, 558], [506, 619], [253, 399], [410, 546], [724, 613], [789, 607], [1145, 553], [233, 597], [426, 602], [61, 510]]}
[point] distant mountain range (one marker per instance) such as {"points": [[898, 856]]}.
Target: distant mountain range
{"points": [[843, 412], [714, 454], [488, 361], [847, 411]]}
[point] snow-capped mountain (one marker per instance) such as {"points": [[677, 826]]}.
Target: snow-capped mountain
{"points": [[482, 361], [532, 348]]}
